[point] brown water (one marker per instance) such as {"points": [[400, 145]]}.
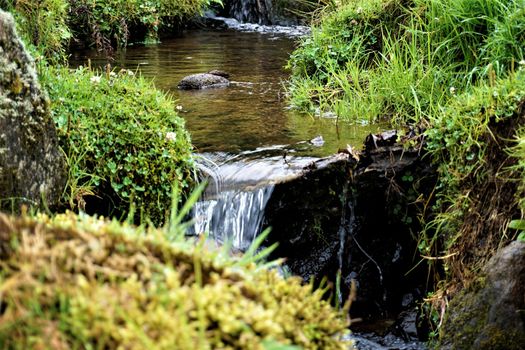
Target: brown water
{"points": [[252, 112]]}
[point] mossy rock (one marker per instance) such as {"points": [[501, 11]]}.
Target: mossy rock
{"points": [[75, 282], [32, 168], [203, 81], [489, 314]]}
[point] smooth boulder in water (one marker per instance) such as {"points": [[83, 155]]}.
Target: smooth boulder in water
{"points": [[212, 79]]}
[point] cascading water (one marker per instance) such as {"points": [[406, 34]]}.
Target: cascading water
{"points": [[232, 207], [251, 11], [234, 216]]}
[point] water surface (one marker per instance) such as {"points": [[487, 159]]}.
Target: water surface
{"points": [[252, 112]]}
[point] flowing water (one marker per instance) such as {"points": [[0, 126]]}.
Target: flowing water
{"points": [[246, 131], [245, 136]]}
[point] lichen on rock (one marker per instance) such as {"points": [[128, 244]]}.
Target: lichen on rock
{"points": [[31, 165]]}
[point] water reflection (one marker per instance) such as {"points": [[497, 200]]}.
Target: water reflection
{"points": [[252, 112]]}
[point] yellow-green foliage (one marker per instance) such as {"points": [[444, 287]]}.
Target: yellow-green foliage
{"points": [[50, 24], [81, 283]]}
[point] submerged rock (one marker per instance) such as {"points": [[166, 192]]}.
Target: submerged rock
{"points": [[31, 164], [490, 313], [212, 79]]}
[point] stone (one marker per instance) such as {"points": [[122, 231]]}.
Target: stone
{"points": [[203, 81], [354, 214], [490, 313], [32, 167], [220, 73]]}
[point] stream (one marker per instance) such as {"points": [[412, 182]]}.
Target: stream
{"points": [[246, 138]]}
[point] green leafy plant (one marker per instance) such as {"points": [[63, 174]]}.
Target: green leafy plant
{"points": [[122, 137], [519, 225]]}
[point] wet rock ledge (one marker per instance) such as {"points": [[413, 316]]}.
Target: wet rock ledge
{"points": [[356, 214]]}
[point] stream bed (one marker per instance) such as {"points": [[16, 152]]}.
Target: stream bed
{"points": [[252, 112]]}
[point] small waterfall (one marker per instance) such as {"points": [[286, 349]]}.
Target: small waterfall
{"points": [[232, 207], [234, 216], [251, 11]]}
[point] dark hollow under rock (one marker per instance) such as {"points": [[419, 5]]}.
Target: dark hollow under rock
{"points": [[357, 218], [32, 168]]}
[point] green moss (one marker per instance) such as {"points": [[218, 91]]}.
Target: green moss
{"points": [[122, 137], [81, 283]]}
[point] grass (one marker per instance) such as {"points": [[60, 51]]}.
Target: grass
{"points": [[399, 60]]}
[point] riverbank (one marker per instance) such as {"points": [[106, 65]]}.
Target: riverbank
{"points": [[455, 69]]}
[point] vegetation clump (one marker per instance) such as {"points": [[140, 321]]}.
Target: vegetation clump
{"points": [[123, 140], [456, 70], [474, 143], [50, 25], [75, 282], [400, 60]]}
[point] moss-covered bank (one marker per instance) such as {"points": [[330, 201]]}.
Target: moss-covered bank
{"points": [[81, 283]]}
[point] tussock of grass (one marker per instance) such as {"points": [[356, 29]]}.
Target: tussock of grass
{"points": [[80, 283], [400, 60]]}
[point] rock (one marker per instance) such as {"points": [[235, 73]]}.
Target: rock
{"points": [[356, 214], [220, 73], [490, 313], [305, 215], [32, 168], [204, 81]]}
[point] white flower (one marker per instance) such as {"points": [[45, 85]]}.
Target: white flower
{"points": [[179, 108], [521, 63], [171, 136], [452, 90], [95, 79]]}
